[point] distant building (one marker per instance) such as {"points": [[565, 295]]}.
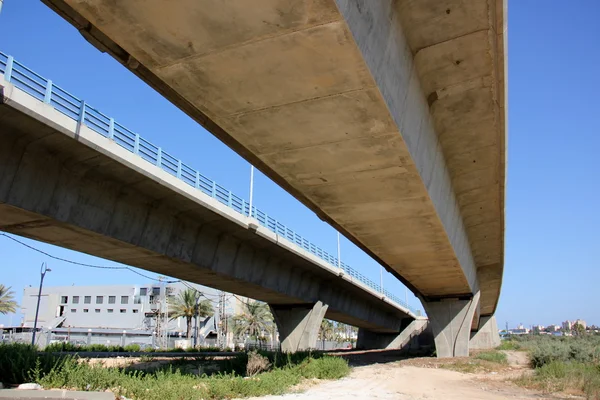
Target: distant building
{"points": [[539, 328], [567, 325], [117, 312], [581, 322], [553, 328]]}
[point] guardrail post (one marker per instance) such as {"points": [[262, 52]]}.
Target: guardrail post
{"points": [[213, 191], [229, 199], [179, 169], [9, 68], [48, 94], [197, 183], [111, 128], [136, 144], [158, 157], [80, 118]]}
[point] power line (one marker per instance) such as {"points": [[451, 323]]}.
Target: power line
{"points": [[84, 264]]}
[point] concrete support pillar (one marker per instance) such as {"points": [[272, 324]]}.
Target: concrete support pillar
{"points": [[450, 321], [369, 340], [298, 325], [487, 336]]}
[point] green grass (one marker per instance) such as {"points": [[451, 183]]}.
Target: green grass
{"points": [[509, 344], [171, 383], [564, 364], [176, 380], [492, 356], [571, 377], [70, 347]]}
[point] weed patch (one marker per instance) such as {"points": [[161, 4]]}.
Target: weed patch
{"points": [[492, 356]]}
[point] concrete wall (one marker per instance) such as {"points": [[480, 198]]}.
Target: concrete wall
{"points": [[66, 185]]}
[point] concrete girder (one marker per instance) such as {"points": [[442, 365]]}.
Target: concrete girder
{"points": [[362, 128]]}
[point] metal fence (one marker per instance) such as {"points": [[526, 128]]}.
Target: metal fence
{"points": [[46, 91]]}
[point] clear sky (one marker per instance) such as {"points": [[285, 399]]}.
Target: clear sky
{"points": [[552, 220]]}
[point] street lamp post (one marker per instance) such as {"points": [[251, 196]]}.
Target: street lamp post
{"points": [[251, 190], [196, 319], [44, 268]]}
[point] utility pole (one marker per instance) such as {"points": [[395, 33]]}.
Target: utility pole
{"points": [[166, 315], [221, 313], [43, 269]]}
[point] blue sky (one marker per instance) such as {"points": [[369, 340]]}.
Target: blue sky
{"points": [[553, 170]]}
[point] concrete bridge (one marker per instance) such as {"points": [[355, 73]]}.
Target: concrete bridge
{"points": [[65, 181], [386, 118]]}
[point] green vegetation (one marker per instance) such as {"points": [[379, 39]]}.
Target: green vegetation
{"points": [[7, 304], [492, 356], [247, 374], [487, 361], [255, 321], [509, 344], [70, 347], [188, 305], [568, 364]]}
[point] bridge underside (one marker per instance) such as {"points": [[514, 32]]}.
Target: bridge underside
{"points": [[386, 118], [72, 190]]}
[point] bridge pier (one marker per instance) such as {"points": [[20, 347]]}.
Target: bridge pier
{"points": [[369, 340], [298, 324], [487, 336], [450, 321]]}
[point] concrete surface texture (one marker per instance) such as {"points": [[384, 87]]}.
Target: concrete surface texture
{"points": [[64, 184], [387, 118], [487, 336], [373, 340], [451, 321], [298, 326]]}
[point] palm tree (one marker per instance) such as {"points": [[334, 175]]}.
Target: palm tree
{"points": [[7, 304], [187, 305], [255, 319], [326, 331]]}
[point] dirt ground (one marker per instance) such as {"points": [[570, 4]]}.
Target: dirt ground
{"points": [[423, 378]]}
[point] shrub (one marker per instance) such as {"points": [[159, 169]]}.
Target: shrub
{"points": [[325, 368], [170, 383], [256, 364], [19, 361]]}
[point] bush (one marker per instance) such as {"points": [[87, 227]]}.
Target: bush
{"points": [[170, 383], [564, 363], [256, 364], [19, 362], [559, 376], [325, 368]]}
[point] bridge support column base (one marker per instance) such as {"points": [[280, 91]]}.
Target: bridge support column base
{"points": [[298, 325], [487, 336], [450, 321], [369, 340]]}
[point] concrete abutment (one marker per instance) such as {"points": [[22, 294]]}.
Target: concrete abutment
{"points": [[298, 324]]}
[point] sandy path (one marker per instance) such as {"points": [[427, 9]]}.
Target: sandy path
{"points": [[394, 381]]}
